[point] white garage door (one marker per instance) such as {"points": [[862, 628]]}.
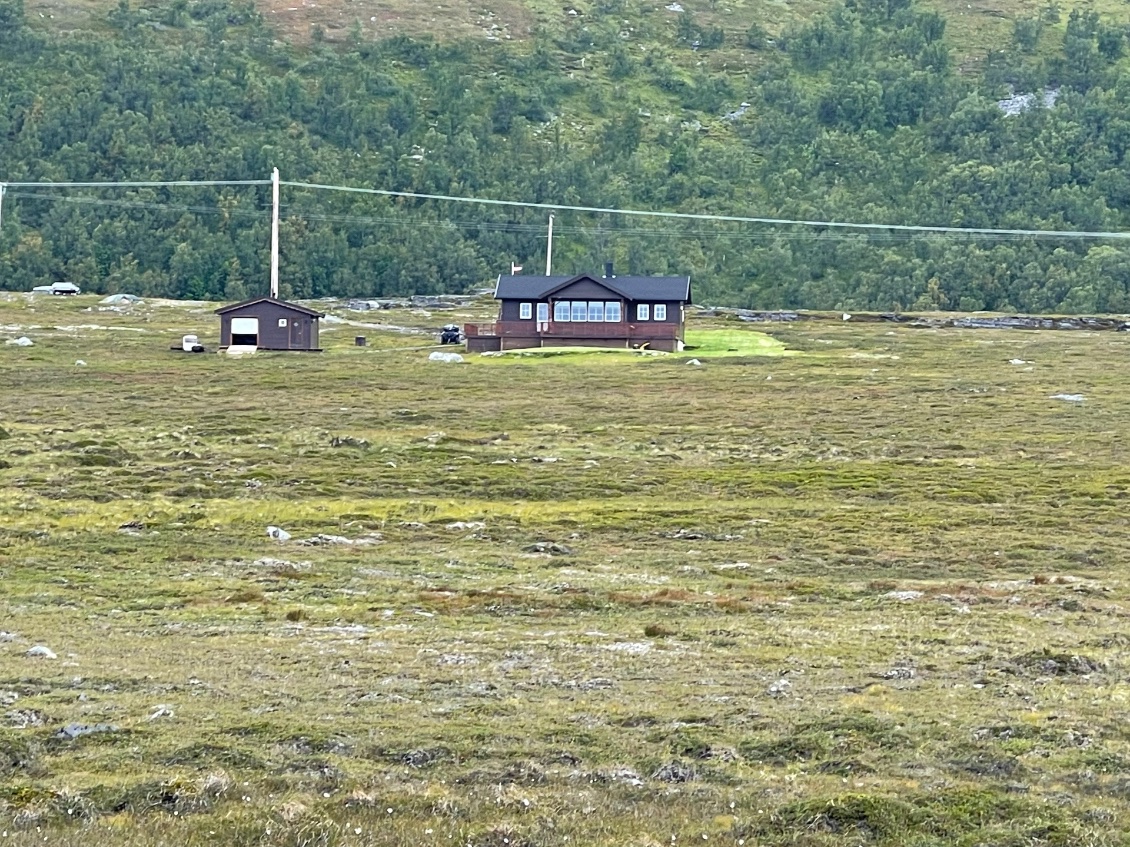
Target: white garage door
{"points": [[244, 326]]}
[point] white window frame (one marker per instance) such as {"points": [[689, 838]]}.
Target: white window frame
{"points": [[561, 311], [579, 311], [596, 311], [659, 313], [613, 307], [525, 311], [282, 323], [643, 312], [543, 313]]}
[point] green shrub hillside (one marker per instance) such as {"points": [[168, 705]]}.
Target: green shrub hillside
{"points": [[865, 111]]}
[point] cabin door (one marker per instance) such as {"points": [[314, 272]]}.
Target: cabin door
{"points": [[298, 334]]}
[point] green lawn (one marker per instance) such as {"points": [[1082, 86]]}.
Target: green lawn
{"points": [[702, 343]]}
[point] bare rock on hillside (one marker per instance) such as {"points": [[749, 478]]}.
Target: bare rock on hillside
{"points": [[280, 565], [348, 441], [780, 688], [675, 772], [39, 651], [550, 547], [1047, 663], [25, 718], [76, 730]]}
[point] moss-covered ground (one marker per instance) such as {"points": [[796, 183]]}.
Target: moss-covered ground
{"points": [[873, 592]]}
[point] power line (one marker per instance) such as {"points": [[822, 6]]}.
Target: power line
{"points": [[892, 231], [132, 204], [952, 230], [155, 184]]}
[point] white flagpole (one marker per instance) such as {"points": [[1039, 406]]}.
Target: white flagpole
{"points": [[3, 188], [275, 233], [549, 250]]}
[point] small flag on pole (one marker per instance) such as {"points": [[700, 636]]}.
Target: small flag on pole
{"points": [[514, 268]]}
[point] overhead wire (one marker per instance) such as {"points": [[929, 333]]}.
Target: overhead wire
{"points": [[878, 231], [560, 207], [136, 204], [181, 183]]}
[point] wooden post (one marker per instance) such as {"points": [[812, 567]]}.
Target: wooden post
{"points": [[549, 250], [275, 233]]}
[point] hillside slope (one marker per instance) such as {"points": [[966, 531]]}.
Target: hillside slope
{"points": [[863, 112], [974, 28]]}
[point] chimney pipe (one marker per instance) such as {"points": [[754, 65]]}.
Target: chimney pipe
{"points": [[608, 270]]}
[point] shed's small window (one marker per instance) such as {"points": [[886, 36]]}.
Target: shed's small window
{"points": [[282, 321], [561, 310], [525, 311], [661, 311], [642, 311], [612, 312], [543, 312]]}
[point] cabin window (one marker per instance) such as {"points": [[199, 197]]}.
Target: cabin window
{"points": [[580, 310], [642, 312], [525, 311], [596, 310], [612, 311], [543, 313], [660, 311], [561, 310], [282, 322]]}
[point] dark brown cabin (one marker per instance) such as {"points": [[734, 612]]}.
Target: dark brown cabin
{"points": [[267, 323], [633, 312]]}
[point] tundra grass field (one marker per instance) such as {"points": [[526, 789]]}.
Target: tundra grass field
{"points": [[869, 592]]}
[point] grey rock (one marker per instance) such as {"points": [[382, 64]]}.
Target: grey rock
{"points": [[903, 595], [347, 441], [76, 730], [780, 688], [550, 547], [41, 652], [675, 772], [24, 718], [449, 358], [280, 565]]}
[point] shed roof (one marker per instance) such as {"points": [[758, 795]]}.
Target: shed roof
{"points": [[630, 287], [283, 303]]}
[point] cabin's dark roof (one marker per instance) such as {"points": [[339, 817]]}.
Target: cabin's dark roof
{"points": [[629, 287], [293, 306]]}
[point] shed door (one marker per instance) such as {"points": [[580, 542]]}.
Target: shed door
{"points": [[245, 332], [298, 334]]}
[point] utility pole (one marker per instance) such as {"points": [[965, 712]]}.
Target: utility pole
{"points": [[549, 250], [275, 233]]}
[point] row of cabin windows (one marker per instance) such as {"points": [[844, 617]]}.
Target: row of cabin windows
{"points": [[594, 311]]}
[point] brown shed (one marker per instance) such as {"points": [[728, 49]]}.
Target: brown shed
{"points": [[267, 323]]}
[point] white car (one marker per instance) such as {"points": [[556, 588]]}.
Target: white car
{"points": [[58, 288]]}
